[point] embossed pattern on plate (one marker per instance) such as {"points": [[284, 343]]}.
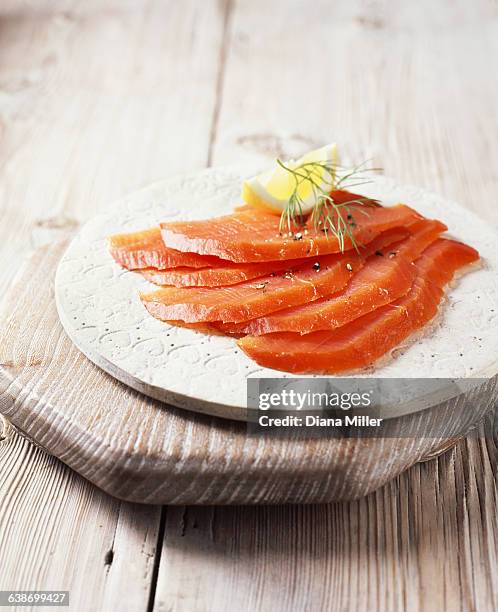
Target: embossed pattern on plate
{"points": [[100, 310]]}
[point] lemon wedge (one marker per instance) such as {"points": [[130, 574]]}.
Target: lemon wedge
{"points": [[272, 189]]}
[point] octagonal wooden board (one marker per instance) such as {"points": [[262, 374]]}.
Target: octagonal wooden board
{"points": [[100, 309], [143, 450]]}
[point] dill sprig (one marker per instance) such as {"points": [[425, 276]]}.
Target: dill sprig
{"points": [[327, 215]]}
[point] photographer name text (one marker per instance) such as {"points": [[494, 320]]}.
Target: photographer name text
{"points": [[319, 421]]}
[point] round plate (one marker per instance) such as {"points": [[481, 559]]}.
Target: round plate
{"points": [[100, 309]]}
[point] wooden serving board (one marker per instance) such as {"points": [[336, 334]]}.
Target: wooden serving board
{"points": [[141, 450]]}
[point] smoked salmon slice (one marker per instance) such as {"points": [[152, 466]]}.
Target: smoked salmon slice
{"points": [[366, 339], [254, 236], [228, 273], [275, 291], [386, 276], [146, 249], [254, 298]]}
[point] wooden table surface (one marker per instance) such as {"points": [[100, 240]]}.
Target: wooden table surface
{"points": [[98, 98]]}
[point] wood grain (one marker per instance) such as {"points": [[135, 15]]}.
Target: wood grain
{"points": [[409, 84], [405, 84], [413, 545], [70, 536], [93, 103]]}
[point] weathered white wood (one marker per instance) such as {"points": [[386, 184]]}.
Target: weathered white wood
{"points": [[59, 532], [96, 99], [410, 84], [407, 84], [425, 542]]}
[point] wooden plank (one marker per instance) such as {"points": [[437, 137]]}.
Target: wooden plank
{"points": [[96, 99], [407, 85], [60, 532], [426, 541], [95, 104]]}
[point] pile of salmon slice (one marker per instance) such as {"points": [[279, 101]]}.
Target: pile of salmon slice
{"points": [[301, 301]]}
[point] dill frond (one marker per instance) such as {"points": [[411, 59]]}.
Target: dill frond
{"points": [[329, 216]]}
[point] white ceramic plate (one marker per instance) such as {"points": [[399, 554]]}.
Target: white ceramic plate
{"points": [[100, 310]]}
